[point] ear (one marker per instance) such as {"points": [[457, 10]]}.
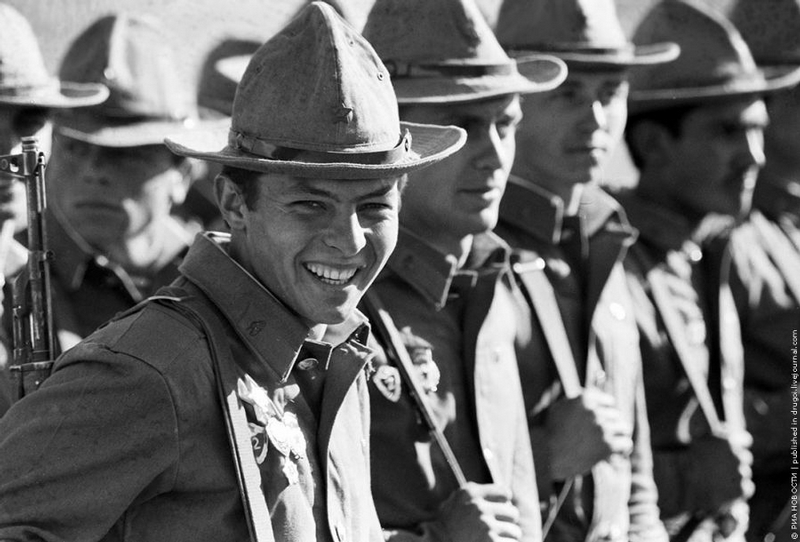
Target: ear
{"points": [[231, 202], [653, 143]]}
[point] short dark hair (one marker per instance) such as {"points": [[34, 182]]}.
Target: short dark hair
{"points": [[246, 180], [671, 119]]}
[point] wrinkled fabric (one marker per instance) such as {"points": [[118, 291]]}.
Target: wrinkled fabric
{"points": [[581, 257], [126, 441], [461, 321], [691, 259]]}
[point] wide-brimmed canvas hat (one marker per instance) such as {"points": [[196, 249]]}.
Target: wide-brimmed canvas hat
{"points": [[24, 80], [584, 33], [771, 29], [218, 81], [443, 51], [316, 101], [715, 62], [148, 98]]}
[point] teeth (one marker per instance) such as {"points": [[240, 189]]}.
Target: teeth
{"points": [[332, 275]]}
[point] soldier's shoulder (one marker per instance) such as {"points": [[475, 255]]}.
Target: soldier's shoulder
{"points": [[156, 334]]}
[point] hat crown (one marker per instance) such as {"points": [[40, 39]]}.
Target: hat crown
{"points": [[560, 24], [317, 85], [712, 50], [129, 54], [430, 32], [21, 62], [771, 29]]}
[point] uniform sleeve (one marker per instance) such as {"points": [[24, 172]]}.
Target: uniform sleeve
{"points": [[645, 524], [100, 434]]}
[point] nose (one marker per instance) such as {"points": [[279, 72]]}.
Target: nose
{"points": [[345, 234], [98, 167], [599, 117], [754, 145], [491, 153]]}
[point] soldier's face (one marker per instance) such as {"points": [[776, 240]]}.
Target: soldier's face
{"points": [[711, 166], [460, 196], [110, 195], [568, 133], [315, 244], [16, 123]]}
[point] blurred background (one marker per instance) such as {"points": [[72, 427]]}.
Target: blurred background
{"points": [[199, 26]]}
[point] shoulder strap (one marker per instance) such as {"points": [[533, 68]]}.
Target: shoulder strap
{"points": [[779, 255], [247, 471], [390, 336], [672, 321], [542, 298]]}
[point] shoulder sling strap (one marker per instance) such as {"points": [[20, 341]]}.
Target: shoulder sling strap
{"points": [[790, 273], [247, 471], [542, 298]]}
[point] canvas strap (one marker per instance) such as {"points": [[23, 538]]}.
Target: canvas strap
{"points": [[658, 280], [779, 253], [247, 471], [542, 298], [390, 336]]}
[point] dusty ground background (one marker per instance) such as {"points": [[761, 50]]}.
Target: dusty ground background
{"points": [[198, 26]]}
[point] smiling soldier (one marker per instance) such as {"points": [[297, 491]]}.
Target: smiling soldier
{"points": [[314, 163]]}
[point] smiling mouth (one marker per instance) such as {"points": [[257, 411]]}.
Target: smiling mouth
{"points": [[335, 276]]}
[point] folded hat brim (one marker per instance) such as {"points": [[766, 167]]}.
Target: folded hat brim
{"points": [[430, 144], [98, 131], [63, 96], [774, 79], [640, 55], [535, 73]]}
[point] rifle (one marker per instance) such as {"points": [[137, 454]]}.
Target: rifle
{"points": [[396, 350], [32, 311]]}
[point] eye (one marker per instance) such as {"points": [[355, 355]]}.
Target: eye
{"points": [[308, 206], [507, 126]]}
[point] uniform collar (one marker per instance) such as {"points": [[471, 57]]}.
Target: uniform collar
{"points": [[540, 213], [434, 274], [775, 200], [271, 330], [73, 256], [657, 225]]}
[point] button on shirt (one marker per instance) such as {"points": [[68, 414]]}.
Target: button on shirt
{"points": [[145, 456]]}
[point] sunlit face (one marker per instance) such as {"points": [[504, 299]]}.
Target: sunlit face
{"points": [[711, 166], [315, 244], [109, 194], [460, 196], [569, 132], [16, 123]]}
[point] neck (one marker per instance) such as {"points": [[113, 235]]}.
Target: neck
{"points": [[649, 192], [148, 251]]}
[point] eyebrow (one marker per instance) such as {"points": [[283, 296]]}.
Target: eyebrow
{"points": [[313, 191]]}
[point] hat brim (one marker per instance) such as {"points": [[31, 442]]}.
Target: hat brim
{"points": [[774, 79], [99, 131], [641, 55], [535, 73], [430, 144], [63, 96]]}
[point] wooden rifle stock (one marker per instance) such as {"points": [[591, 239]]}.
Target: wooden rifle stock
{"points": [[32, 313]]}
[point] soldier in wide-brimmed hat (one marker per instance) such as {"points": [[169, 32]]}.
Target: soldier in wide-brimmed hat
{"points": [[580, 365], [221, 410], [448, 288], [111, 181], [766, 257], [28, 95], [696, 134]]}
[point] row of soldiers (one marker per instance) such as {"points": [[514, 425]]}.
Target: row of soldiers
{"points": [[512, 353]]}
